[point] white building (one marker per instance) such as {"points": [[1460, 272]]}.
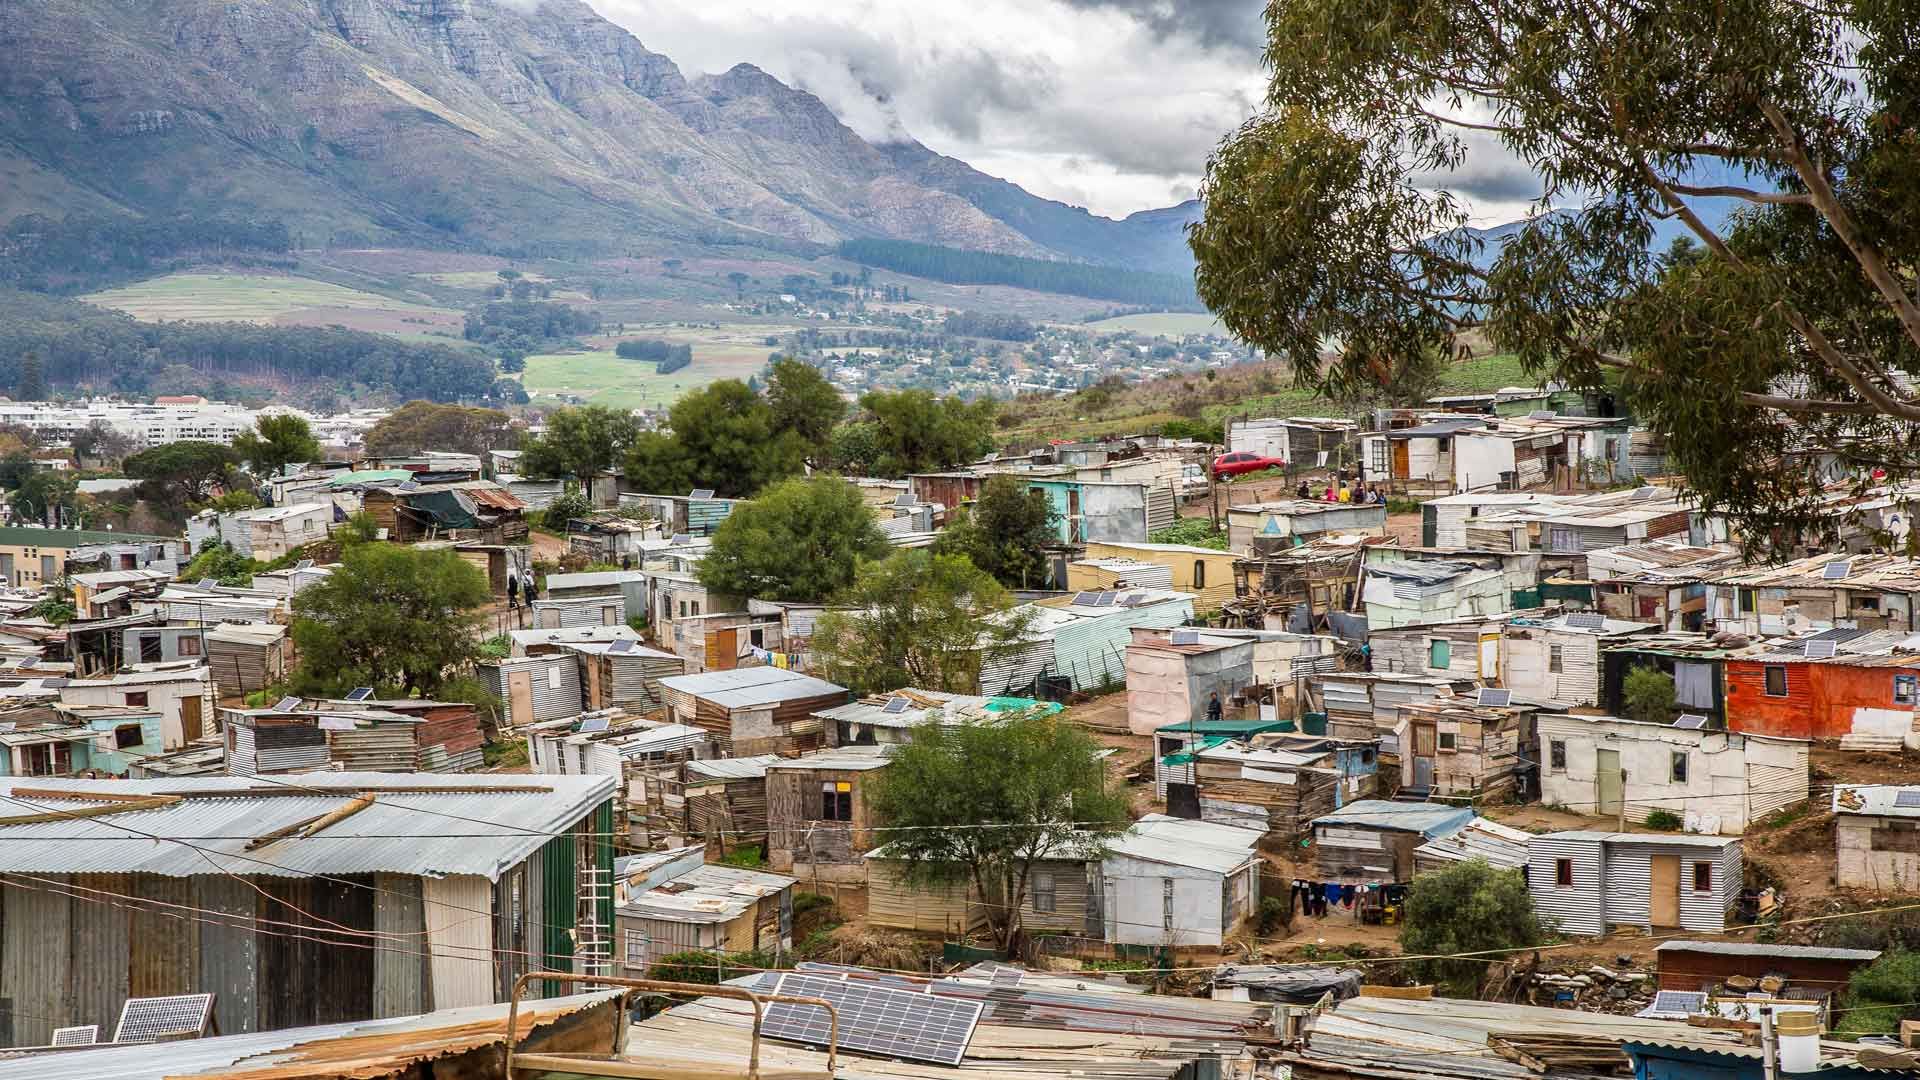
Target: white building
{"points": [[1172, 882], [1713, 781]]}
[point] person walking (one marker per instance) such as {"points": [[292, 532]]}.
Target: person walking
{"points": [[513, 590], [1213, 707]]}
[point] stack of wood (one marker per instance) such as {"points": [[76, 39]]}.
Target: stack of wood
{"points": [[1554, 1051], [1280, 801]]}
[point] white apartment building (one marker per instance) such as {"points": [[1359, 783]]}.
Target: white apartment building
{"points": [[160, 423]]}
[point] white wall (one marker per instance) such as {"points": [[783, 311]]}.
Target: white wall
{"points": [[1135, 903], [1478, 461], [1717, 795]]}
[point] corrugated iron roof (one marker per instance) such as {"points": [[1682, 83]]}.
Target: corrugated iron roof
{"points": [[1428, 819], [744, 688], [1783, 952], [459, 831], [742, 768]]}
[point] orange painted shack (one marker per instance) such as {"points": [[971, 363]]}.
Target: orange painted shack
{"points": [[1857, 685]]}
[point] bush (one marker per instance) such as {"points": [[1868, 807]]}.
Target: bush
{"points": [[1664, 820], [564, 508], [1193, 532], [1276, 914], [1647, 694], [709, 968], [1468, 907], [1881, 995], [747, 856]]}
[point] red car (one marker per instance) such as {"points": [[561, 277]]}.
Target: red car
{"points": [[1236, 464]]}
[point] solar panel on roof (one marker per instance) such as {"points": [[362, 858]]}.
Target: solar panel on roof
{"points": [[905, 498], [1691, 722], [896, 706], [1007, 976], [1645, 493], [874, 1019], [1679, 1001], [286, 704], [682, 538], [406, 485], [1819, 650], [1837, 569], [208, 583], [621, 645], [1587, 620], [1906, 798], [360, 693], [593, 723], [303, 564], [1106, 599], [1493, 695], [700, 493], [79, 1035], [1186, 637], [1542, 414], [1083, 599], [147, 1019]]}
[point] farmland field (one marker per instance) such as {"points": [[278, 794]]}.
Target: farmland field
{"points": [[1163, 324], [263, 298], [601, 378]]}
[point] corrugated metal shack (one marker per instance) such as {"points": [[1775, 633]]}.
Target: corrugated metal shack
{"points": [[1278, 785], [1459, 749], [1367, 705], [1171, 682], [1705, 965], [356, 736], [713, 909], [1090, 632], [246, 657], [754, 710], [818, 824], [535, 687], [608, 609], [621, 674], [1877, 836], [1265, 527], [1502, 847], [360, 895], [716, 800], [1715, 781], [1557, 659], [1373, 841], [1586, 882]]}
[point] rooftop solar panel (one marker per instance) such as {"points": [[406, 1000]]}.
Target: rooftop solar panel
{"points": [[1006, 976], [1645, 493], [897, 705], [208, 583], [1186, 637], [147, 1019], [80, 1035], [1587, 620], [1490, 695], [874, 1019], [303, 564], [1679, 1001], [1106, 599], [1837, 569], [621, 645], [593, 723], [360, 693], [286, 704], [1906, 798], [1819, 650], [905, 498], [1691, 722], [700, 493]]}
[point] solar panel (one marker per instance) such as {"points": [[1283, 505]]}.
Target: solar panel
{"points": [[1007, 976], [905, 498], [1106, 599], [303, 564], [360, 693], [594, 723], [1587, 620], [1644, 494], [896, 706], [1819, 650], [286, 704], [146, 1019], [82, 1035], [874, 1019], [208, 583], [681, 539], [1186, 637], [406, 485], [1679, 1001], [1906, 798], [1837, 569], [1491, 695], [1081, 599], [700, 493], [621, 645], [1691, 722]]}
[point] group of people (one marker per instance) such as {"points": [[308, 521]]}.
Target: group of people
{"points": [[519, 582], [1341, 491]]}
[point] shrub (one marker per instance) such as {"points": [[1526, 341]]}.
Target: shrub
{"points": [[1647, 694], [1468, 907], [1881, 995], [1276, 914], [1664, 820]]}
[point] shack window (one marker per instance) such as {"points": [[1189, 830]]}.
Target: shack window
{"points": [[1557, 754], [1867, 603], [127, 736], [1703, 877], [1905, 689], [1776, 680], [1377, 457], [1556, 655], [1679, 767], [1443, 445], [189, 646], [1449, 741], [1166, 903], [1199, 573], [1745, 601], [137, 699], [1439, 653], [696, 607], [1043, 891], [636, 948], [1563, 873], [836, 801]]}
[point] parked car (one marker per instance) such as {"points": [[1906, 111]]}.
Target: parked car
{"points": [[1239, 463]]}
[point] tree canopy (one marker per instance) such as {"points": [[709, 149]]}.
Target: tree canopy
{"points": [[917, 618], [1467, 907], [806, 404], [580, 442], [724, 437], [799, 540], [1336, 215], [275, 442], [916, 431], [429, 425], [400, 619], [1005, 532], [178, 474], [1046, 796]]}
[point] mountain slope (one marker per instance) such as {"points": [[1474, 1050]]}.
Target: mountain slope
{"points": [[541, 127]]}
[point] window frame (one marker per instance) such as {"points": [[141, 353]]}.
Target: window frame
{"points": [[137, 699], [1679, 768], [1563, 873], [1556, 659], [1767, 673], [1702, 868], [120, 736], [1044, 892], [1436, 646], [1199, 573], [187, 645], [834, 802], [1447, 742], [1911, 693], [1557, 755]]}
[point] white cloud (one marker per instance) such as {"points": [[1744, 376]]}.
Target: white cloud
{"points": [[1109, 105]]}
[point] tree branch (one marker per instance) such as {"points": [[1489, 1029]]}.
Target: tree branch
{"points": [[1722, 191]]}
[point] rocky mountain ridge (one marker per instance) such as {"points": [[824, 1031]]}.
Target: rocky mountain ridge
{"points": [[537, 126]]}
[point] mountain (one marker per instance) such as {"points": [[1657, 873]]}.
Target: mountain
{"points": [[531, 125]]}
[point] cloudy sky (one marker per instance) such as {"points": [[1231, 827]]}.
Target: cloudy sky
{"points": [[1108, 104]]}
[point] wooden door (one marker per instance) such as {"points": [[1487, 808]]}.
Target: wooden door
{"points": [[1490, 658], [1608, 781], [189, 718], [1400, 467], [1426, 744], [519, 698], [1663, 901]]}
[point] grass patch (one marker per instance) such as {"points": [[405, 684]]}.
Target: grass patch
{"points": [[213, 297], [1163, 323], [746, 857], [602, 378]]}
